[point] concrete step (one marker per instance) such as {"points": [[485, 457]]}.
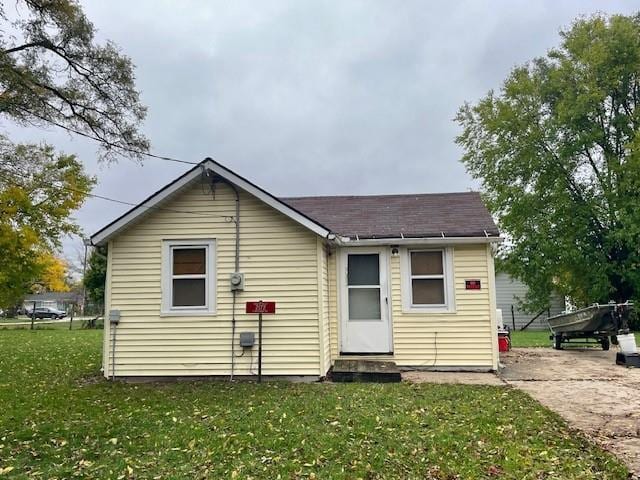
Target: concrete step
{"points": [[357, 370]]}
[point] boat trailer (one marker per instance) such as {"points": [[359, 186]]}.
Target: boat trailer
{"points": [[595, 324]]}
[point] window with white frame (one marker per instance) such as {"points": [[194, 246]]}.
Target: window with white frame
{"points": [[428, 282], [188, 276]]}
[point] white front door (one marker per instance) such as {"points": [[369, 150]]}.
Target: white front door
{"points": [[366, 327]]}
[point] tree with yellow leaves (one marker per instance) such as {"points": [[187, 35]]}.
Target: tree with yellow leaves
{"points": [[54, 274], [54, 72], [39, 190]]}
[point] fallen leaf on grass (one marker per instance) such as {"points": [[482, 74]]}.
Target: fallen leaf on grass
{"points": [[494, 471]]}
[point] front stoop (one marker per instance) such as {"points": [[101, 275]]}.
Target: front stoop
{"points": [[365, 371]]}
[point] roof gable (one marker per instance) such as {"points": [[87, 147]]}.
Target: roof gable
{"points": [[438, 215], [178, 185]]}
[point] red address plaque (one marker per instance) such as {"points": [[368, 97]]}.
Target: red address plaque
{"points": [[261, 307], [472, 284]]}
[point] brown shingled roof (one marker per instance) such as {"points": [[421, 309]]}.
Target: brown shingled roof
{"points": [[390, 216]]}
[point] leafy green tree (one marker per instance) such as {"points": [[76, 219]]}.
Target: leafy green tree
{"points": [[96, 275], [54, 73], [39, 190], [558, 152]]}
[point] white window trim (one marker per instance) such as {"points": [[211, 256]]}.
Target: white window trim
{"points": [[405, 281], [167, 276]]}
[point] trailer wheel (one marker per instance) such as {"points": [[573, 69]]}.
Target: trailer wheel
{"points": [[605, 344], [557, 342]]}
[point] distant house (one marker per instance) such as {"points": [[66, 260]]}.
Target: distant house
{"points": [[406, 278], [508, 291], [60, 300]]}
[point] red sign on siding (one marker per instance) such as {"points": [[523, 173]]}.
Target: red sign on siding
{"points": [[472, 284], [261, 307]]}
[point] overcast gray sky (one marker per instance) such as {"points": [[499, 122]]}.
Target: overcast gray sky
{"points": [[308, 98]]}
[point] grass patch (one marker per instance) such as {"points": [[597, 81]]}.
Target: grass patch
{"points": [[60, 419], [531, 338], [12, 319], [540, 338]]}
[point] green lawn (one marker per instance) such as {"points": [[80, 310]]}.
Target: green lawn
{"points": [[531, 338], [540, 338], [60, 419]]}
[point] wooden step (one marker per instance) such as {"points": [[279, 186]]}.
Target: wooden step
{"points": [[357, 370]]}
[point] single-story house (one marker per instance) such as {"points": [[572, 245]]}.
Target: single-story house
{"points": [[509, 292], [406, 278], [60, 300]]}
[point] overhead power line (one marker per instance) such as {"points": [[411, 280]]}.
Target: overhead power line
{"points": [[115, 200], [110, 144], [122, 148], [150, 207]]}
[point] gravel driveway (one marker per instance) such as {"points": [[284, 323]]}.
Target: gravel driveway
{"points": [[588, 389]]}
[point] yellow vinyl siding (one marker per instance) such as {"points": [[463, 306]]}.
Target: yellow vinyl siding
{"points": [[106, 344], [491, 273], [323, 295], [333, 304], [459, 339], [463, 338], [280, 261]]}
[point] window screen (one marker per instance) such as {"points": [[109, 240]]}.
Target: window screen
{"points": [[364, 304], [427, 278], [189, 292], [363, 279], [364, 269], [427, 291], [189, 261], [189, 277], [426, 263]]}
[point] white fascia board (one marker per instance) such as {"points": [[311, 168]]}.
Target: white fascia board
{"points": [[108, 232], [345, 241]]}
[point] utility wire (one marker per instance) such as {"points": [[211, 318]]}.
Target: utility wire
{"points": [[107, 142], [150, 207], [109, 199], [118, 147]]}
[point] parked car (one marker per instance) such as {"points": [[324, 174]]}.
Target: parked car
{"points": [[49, 312]]}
